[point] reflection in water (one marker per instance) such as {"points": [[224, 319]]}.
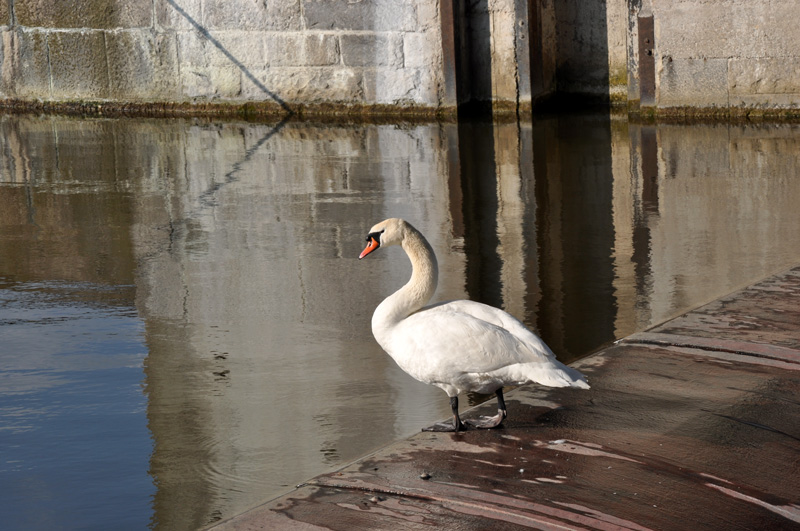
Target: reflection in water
{"points": [[215, 264]]}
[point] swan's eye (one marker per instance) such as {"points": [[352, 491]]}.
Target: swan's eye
{"points": [[375, 236]]}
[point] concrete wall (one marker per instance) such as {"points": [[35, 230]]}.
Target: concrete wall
{"points": [[591, 38], [294, 51], [720, 54], [405, 53]]}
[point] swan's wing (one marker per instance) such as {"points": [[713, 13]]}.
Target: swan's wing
{"points": [[500, 318], [468, 337]]}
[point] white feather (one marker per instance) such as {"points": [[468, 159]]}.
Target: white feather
{"points": [[458, 345]]}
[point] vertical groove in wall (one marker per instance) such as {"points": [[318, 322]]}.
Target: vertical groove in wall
{"points": [[647, 61], [49, 65], [523, 52], [8, 78], [727, 82], [108, 64], [447, 30]]}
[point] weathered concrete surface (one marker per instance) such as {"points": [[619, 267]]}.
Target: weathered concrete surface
{"points": [[404, 53], [694, 424], [721, 55], [301, 52]]}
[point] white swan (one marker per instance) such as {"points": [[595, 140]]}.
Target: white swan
{"points": [[458, 345]]}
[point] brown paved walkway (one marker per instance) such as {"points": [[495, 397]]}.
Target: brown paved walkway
{"points": [[692, 425]]}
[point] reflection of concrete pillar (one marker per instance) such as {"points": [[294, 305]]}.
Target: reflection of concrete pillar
{"points": [[530, 220], [623, 213], [574, 196], [549, 237], [644, 175], [479, 185], [510, 214]]}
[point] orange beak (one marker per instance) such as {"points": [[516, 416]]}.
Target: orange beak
{"points": [[371, 246]]}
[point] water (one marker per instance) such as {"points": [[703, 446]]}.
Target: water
{"points": [[184, 325]]}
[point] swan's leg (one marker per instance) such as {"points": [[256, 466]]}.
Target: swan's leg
{"points": [[457, 425], [492, 422]]}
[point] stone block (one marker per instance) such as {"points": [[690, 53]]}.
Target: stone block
{"points": [[5, 15], [725, 28], [402, 87], [371, 15], [142, 65], [764, 75], [309, 85], [78, 65], [504, 57], [92, 14], [25, 68], [692, 82], [421, 51], [212, 82], [782, 38], [373, 50], [301, 49], [178, 14], [245, 48], [272, 15], [427, 16]]}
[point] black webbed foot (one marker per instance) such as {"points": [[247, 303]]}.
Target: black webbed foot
{"points": [[488, 423], [454, 426], [446, 427]]}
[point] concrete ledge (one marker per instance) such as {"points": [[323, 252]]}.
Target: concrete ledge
{"points": [[678, 435]]}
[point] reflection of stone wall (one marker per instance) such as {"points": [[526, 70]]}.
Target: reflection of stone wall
{"points": [[257, 310], [67, 211], [241, 241], [731, 193]]}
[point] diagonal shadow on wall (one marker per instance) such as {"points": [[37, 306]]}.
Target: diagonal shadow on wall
{"points": [[210, 38], [207, 197]]}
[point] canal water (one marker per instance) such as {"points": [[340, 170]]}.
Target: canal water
{"points": [[185, 326]]}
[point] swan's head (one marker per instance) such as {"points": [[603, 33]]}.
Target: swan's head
{"points": [[387, 232]]}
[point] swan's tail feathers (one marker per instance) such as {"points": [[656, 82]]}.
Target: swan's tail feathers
{"points": [[558, 376]]}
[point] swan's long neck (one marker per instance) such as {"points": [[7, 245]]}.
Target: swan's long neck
{"points": [[419, 289]]}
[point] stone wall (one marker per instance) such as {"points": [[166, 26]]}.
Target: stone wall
{"points": [[281, 51], [591, 38], [403, 54], [718, 54]]}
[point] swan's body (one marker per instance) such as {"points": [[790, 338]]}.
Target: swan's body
{"points": [[458, 345]]}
